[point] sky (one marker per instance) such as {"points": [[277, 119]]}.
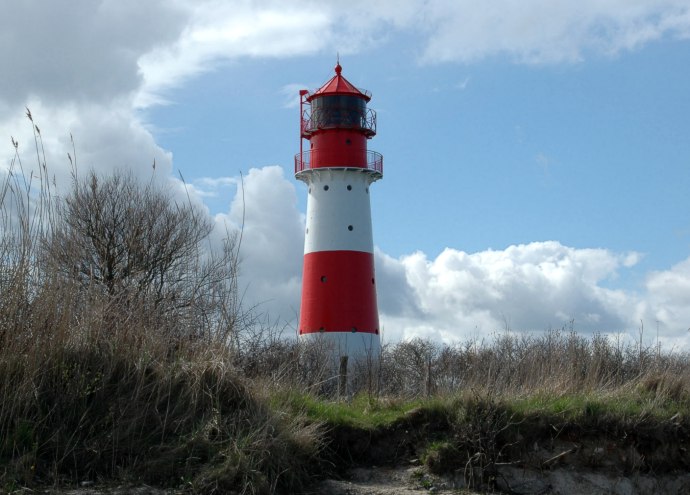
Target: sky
{"points": [[536, 152]]}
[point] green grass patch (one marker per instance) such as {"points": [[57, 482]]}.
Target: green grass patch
{"points": [[622, 406], [363, 412]]}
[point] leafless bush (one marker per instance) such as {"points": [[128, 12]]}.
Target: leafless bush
{"points": [[138, 246], [556, 361], [559, 361]]}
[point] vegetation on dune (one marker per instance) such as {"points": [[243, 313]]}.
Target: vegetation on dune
{"points": [[125, 354], [91, 411], [118, 331]]}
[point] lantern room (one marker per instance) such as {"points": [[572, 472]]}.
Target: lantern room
{"points": [[337, 123]]}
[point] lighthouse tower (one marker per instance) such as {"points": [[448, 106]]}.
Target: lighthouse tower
{"points": [[339, 285]]}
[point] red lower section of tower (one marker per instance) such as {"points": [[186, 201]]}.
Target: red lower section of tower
{"points": [[338, 293]]}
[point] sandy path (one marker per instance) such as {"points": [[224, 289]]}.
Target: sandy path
{"points": [[387, 481], [378, 481]]}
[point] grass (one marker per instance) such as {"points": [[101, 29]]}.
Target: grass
{"points": [[650, 398], [367, 413], [363, 412], [87, 413]]}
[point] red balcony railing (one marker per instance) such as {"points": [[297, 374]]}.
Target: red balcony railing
{"points": [[305, 160]]}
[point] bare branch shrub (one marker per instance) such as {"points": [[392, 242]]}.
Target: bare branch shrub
{"points": [[142, 249], [555, 362]]}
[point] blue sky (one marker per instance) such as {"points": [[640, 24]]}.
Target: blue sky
{"points": [[536, 153]]}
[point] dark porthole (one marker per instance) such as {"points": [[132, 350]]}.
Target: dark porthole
{"points": [[347, 141], [349, 187], [322, 329], [323, 278], [325, 188], [354, 329], [350, 228]]}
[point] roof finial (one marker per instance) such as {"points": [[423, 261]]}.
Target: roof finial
{"points": [[337, 63]]}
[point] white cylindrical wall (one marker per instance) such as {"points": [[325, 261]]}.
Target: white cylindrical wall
{"points": [[338, 211]]}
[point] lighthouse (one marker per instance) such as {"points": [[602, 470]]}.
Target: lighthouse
{"points": [[338, 283]]}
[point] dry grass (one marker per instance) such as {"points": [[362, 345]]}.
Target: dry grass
{"points": [[108, 407], [100, 381]]}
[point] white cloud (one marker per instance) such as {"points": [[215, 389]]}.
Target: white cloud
{"points": [[548, 31], [219, 31], [105, 138], [272, 241], [80, 50], [667, 304], [527, 287], [211, 187]]}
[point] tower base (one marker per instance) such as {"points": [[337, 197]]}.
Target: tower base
{"points": [[359, 347]]}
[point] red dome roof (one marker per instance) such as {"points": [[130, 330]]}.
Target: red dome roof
{"points": [[338, 85]]}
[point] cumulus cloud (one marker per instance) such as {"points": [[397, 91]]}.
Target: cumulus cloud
{"points": [[75, 65], [272, 241], [105, 138], [667, 304], [525, 287]]}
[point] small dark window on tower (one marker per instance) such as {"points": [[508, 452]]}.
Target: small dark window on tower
{"points": [[307, 231], [323, 278], [349, 187], [372, 280], [367, 190], [354, 329], [376, 331], [322, 329], [310, 190], [325, 188], [350, 227], [347, 141]]}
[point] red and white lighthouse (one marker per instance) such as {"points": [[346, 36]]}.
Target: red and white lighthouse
{"points": [[339, 284]]}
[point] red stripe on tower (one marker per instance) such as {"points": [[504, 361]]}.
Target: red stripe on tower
{"points": [[339, 284]]}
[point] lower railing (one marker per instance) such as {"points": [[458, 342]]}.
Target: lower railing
{"points": [[304, 161]]}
